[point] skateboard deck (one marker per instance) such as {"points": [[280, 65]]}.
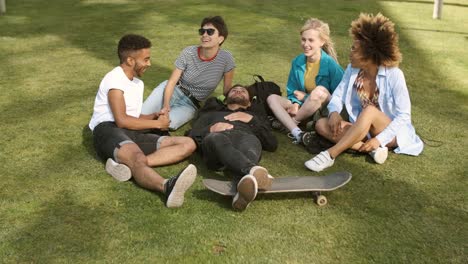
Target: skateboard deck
{"points": [[316, 184]]}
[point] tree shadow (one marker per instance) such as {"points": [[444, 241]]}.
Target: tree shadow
{"points": [[397, 210], [427, 2], [63, 229], [435, 30], [87, 142]]}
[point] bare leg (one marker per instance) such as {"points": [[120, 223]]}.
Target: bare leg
{"points": [[132, 156], [278, 106], [323, 129], [370, 120], [317, 97], [171, 150]]}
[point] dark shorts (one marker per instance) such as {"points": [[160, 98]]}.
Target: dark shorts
{"points": [[108, 138], [323, 112]]}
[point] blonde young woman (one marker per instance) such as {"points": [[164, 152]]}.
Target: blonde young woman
{"points": [[375, 95], [313, 77]]}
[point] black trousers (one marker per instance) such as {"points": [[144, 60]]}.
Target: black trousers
{"points": [[236, 150]]}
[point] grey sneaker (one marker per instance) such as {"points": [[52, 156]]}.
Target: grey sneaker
{"points": [[320, 162], [176, 186], [278, 126], [261, 176], [246, 192], [118, 171], [379, 155], [297, 140], [309, 138]]}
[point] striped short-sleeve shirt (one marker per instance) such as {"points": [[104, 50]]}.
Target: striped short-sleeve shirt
{"points": [[200, 77]]}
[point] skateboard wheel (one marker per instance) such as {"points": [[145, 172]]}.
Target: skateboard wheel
{"points": [[321, 200]]}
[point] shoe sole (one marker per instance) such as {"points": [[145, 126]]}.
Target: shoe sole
{"points": [[118, 171], [380, 156], [261, 175], [186, 179], [246, 193], [307, 138]]}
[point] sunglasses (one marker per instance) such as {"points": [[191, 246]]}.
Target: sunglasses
{"points": [[209, 31]]}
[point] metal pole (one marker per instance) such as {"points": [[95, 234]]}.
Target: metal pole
{"points": [[2, 7], [437, 9]]}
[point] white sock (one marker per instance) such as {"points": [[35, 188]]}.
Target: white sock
{"points": [[296, 132]]}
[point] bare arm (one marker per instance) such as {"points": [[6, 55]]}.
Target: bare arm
{"points": [[334, 122], [117, 105], [228, 76], [169, 90], [149, 116]]}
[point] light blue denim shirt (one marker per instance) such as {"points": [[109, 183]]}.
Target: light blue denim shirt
{"points": [[394, 101]]}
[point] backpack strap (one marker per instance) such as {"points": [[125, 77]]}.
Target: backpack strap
{"points": [[258, 78]]}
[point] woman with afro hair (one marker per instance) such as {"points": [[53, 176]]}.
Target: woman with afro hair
{"points": [[374, 93]]}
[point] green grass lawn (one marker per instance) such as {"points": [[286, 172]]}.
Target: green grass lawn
{"points": [[57, 204]]}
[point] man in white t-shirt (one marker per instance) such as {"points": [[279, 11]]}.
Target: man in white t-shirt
{"points": [[132, 142]]}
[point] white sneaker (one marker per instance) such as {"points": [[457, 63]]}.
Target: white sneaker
{"points": [[379, 155], [246, 192], [320, 162], [119, 171], [261, 176]]}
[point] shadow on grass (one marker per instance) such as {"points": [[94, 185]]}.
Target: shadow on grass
{"points": [[116, 19], [403, 215], [221, 200], [87, 142], [20, 108], [426, 2], [62, 230], [406, 217], [436, 30]]}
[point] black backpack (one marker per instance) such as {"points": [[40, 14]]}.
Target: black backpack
{"points": [[261, 89]]}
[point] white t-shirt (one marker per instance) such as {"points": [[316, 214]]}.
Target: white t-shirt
{"points": [[133, 94]]}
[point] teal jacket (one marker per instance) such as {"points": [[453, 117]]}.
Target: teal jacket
{"points": [[329, 75]]}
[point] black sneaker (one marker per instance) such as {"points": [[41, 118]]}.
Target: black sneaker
{"points": [[309, 138], [277, 125], [176, 186], [314, 143]]}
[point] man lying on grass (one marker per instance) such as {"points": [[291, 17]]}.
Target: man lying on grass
{"points": [[232, 136], [132, 142]]}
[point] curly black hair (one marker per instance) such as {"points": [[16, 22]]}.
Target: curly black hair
{"points": [[377, 39], [131, 43]]}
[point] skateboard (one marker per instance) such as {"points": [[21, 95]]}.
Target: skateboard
{"points": [[314, 184]]}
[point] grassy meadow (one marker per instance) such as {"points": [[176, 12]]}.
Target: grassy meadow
{"points": [[57, 203]]}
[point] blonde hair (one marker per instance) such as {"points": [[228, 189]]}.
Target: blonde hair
{"points": [[324, 32], [377, 38]]}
